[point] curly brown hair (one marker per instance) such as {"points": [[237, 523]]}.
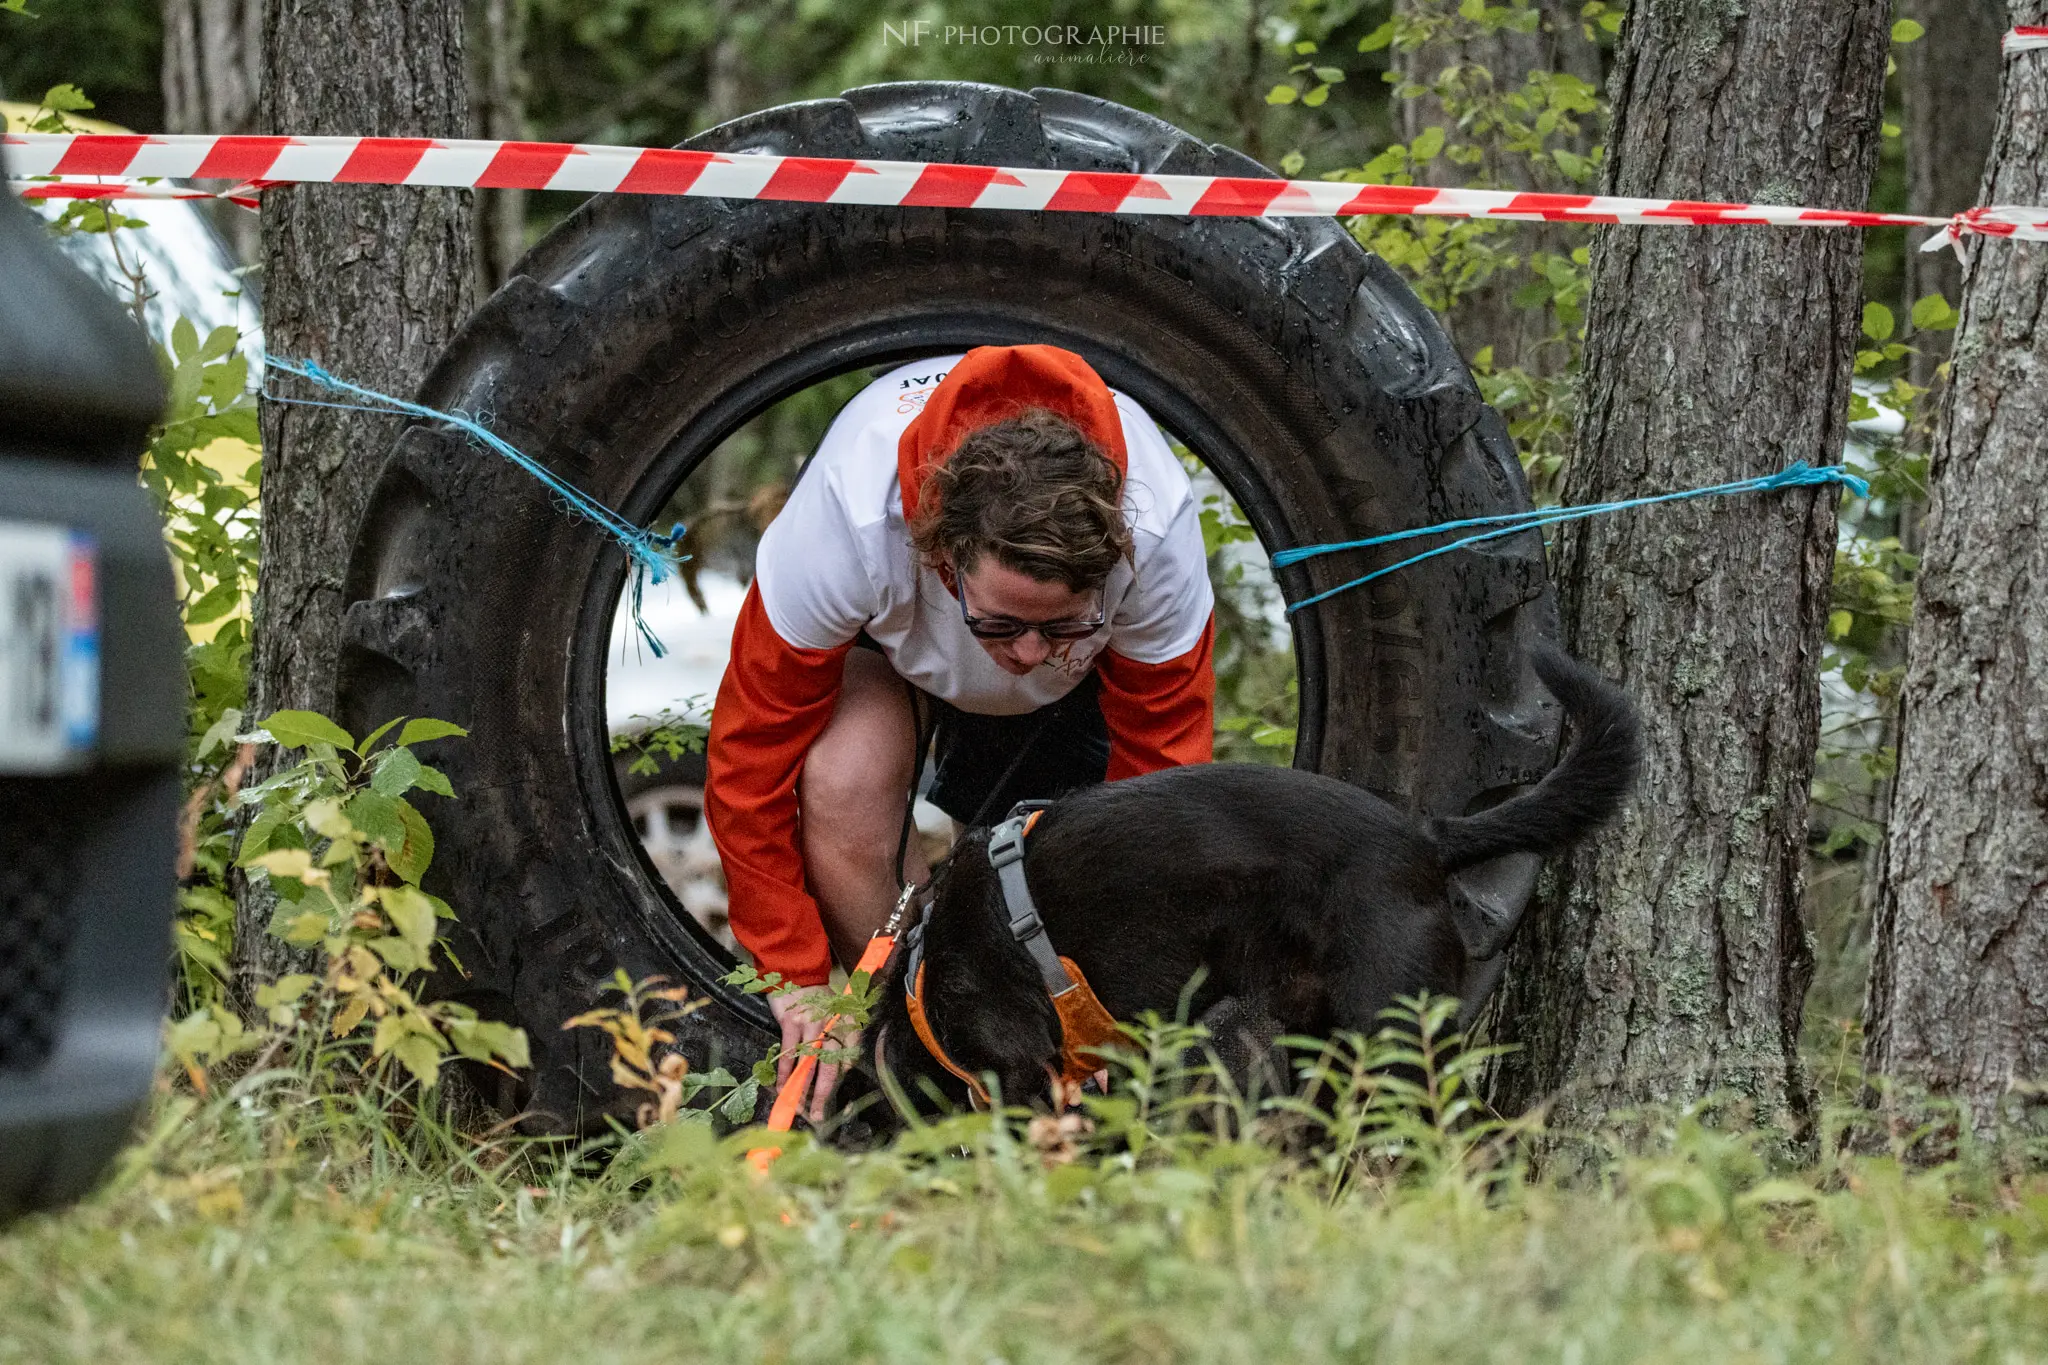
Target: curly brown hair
{"points": [[1033, 491]]}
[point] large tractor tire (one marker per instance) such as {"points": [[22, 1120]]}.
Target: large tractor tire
{"points": [[643, 331]]}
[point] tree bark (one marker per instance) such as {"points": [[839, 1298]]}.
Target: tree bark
{"points": [[367, 280], [1665, 958], [1961, 941], [1944, 78], [212, 72]]}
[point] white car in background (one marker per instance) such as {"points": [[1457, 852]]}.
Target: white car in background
{"points": [[666, 807], [188, 269]]}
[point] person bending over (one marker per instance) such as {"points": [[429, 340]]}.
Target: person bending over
{"points": [[1016, 543]]}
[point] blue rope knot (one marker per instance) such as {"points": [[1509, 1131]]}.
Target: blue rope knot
{"points": [[655, 555], [1799, 474]]}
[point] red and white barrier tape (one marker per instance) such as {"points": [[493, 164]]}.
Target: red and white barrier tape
{"points": [[2026, 38], [256, 162], [92, 187]]}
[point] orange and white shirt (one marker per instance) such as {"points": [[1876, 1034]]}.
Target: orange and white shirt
{"points": [[837, 561]]}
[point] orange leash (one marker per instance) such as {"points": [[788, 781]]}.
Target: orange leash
{"points": [[789, 1100]]}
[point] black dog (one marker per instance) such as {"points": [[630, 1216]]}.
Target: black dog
{"points": [[1305, 901]]}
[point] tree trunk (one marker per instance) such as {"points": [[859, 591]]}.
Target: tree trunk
{"points": [[369, 281], [1665, 958], [1944, 78], [1961, 939], [213, 65], [498, 85], [1488, 316], [212, 70]]}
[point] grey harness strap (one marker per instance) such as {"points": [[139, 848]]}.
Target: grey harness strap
{"points": [[1006, 856]]}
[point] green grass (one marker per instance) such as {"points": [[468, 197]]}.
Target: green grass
{"points": [[279, 1221]]}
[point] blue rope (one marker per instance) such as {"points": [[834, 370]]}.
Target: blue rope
{"points": [[1799, 475], [654, 554]]}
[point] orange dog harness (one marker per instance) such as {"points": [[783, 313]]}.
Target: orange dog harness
{"points": [[1085, 1026]]}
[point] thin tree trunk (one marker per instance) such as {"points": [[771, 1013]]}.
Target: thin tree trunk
{"points": [[499, 88], [1665, 958], [213, 65], [1248, 95], [369, 281], [1961, 940], [212, 72], [1945, 77]]}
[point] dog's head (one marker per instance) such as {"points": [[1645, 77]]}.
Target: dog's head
{"points": [[982, 998]]}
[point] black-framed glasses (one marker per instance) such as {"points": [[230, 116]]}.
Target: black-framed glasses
{"points": [[1010, 628]]}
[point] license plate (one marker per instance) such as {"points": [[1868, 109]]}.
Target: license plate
{"points": [[49, 647]]}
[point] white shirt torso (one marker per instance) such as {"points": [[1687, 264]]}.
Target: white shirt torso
{"points": [[838, 560]]}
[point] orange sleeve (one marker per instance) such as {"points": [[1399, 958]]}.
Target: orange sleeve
{"points": [[1160, 715], [772, 705]]}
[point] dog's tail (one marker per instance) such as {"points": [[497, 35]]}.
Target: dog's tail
{"points": [[1582, 792]]}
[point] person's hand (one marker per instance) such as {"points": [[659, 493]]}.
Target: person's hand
{"points": [[802, 1019]]}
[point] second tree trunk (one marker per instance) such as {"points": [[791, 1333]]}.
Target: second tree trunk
{"points": [[1666, 958]]}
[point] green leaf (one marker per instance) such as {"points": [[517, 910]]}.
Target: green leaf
{"points": [[468, 1040], [1840, 623], [184, 339], [285, 990], [376, 816], [219, 342], [432, 779], [396, 772], [738, 1106], [411, 913], [1314, 98], [1878, 323], [1474, 10], [183, 403], [482, 1039], [256, 842], [1908, 31], [302, 729], [370, 740], [399, 955], [1427, 145], [303, 929], [421, 1056], [1935, 314], [65, 99], [1282, 94], [220, 732], [1381, 37], [295, 863], [217, 602], [412, 858], [421, 730], [1329, 75]]}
